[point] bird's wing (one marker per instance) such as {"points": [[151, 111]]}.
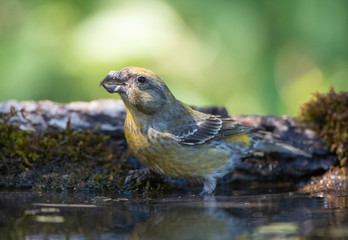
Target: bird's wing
{"points": [[213, 127]]}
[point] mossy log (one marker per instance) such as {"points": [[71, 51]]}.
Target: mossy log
{"points": [[105, 118]]}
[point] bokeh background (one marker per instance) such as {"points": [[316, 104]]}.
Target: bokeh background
{"points": [[254, 57]]}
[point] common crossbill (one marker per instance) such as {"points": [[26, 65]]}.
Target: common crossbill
{"points": [[175, 140]]}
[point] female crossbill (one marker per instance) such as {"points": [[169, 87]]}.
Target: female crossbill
{"points": [[173, 139]]}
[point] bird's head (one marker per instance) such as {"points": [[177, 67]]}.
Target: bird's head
{"points": [[139, 88]]}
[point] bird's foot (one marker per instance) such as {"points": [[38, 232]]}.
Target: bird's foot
{"points": [[142, 178], [138, 176]]}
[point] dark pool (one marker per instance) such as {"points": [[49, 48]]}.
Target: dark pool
{"points": [[241, 215]]}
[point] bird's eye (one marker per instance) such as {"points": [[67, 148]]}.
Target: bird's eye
{"points": [[141, 79]]}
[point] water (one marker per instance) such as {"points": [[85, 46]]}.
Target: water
{"points": [[240, 215]]}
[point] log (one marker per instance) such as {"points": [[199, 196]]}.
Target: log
{"points": [[106, 117]]}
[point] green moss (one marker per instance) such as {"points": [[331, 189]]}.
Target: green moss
{"points": [[56, 159], [27, 147], [14, 143], [327, 114], [65, 159]]}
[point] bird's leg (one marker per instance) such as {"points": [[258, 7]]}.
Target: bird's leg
{"points": [[209, 186]]}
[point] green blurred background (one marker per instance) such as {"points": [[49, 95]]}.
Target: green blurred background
{"points": [[254, 57]]}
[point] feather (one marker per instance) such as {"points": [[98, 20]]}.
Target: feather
{"points": [[213, 127]]}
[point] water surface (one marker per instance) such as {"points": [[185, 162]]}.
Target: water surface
{"points": [[242, 215]]}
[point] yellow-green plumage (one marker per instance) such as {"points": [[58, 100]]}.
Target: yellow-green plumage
{"points": [[165, 155]]}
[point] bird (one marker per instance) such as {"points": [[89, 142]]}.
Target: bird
{"points": [[174, 140]]}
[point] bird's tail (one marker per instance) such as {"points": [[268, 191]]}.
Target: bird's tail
{"points": [[270, 146]]}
